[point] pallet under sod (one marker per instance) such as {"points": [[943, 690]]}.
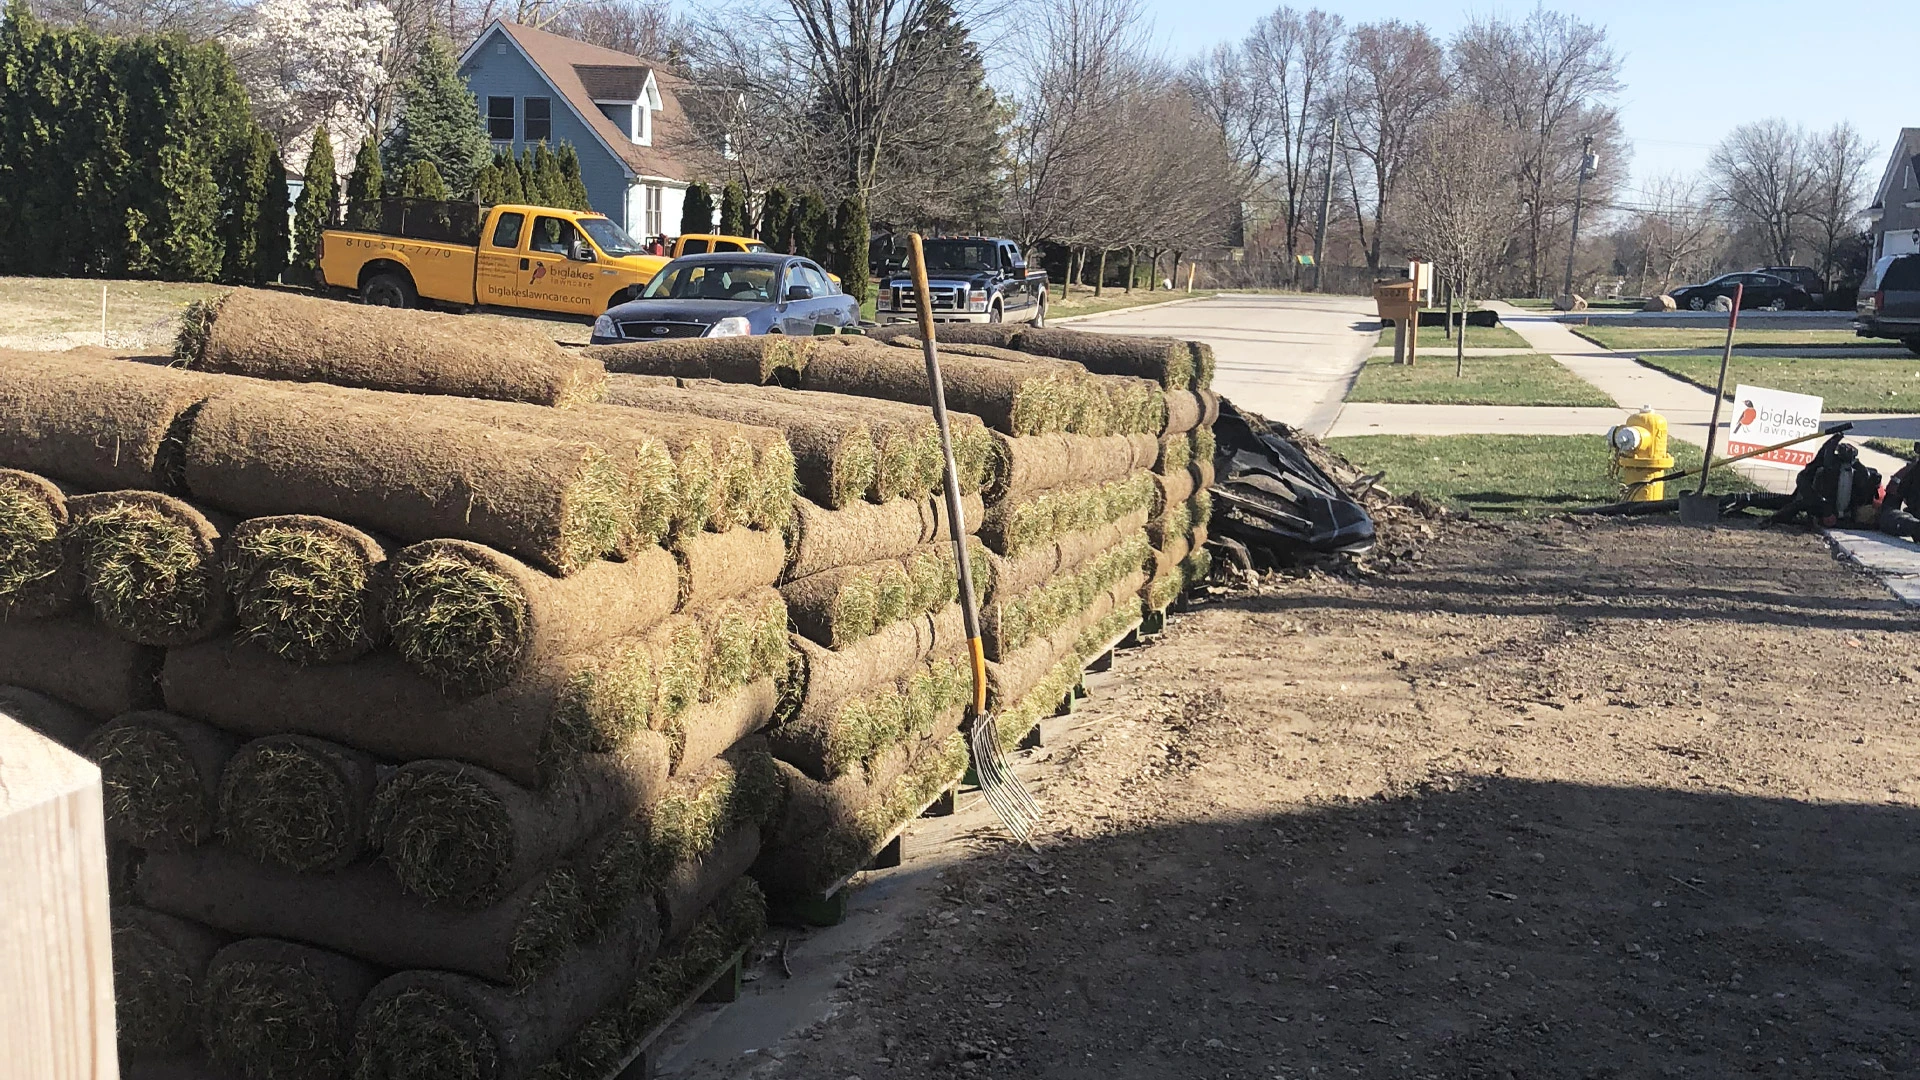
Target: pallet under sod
{"points": [[828, 907], [721, 987], [1069, 701]]}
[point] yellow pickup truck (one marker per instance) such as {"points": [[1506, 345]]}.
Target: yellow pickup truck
{"points": [[537, 257]]}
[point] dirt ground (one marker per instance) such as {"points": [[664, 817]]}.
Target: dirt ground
{"points": [[1556, 799]]}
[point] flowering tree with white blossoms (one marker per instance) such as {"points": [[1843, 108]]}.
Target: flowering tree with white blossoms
{"points": [[308, 61]]}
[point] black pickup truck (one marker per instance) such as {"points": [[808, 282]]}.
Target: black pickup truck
{"points": [[972, 279]]}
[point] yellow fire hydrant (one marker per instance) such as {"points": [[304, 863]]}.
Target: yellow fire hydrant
{"points": [[1640, 454]]}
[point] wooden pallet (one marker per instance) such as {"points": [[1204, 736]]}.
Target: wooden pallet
{"points": [[829, 906], [721, 986]]}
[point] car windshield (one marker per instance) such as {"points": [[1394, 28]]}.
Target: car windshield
{"points": [[961, 255], [712, 281], [610, 238]]}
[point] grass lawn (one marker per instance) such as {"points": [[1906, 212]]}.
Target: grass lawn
{"points": [[40, 312], [1478, 337], [1844, 385], [1503, 475], [1900, 448], [1530, 379], [1541, 303], [1702, 337]]}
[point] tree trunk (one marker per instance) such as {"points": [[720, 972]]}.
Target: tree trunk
{"points": [[1132, 270], [1463, 330], [1100, 276], [1176, 269], [1460, 341]]}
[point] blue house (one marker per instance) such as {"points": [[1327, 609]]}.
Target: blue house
{"points": [[621, 114]]}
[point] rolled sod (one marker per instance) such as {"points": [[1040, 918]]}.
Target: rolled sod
{"points": [[97, 424], [973, 512], [475, 620], [1205, 443], [307, 589], [718, 566], [1037, 462], [51, 717], [823, 676], [1164, 360], [284, 1011], [1020, 618], [279, 335], [1186, 410], [1010, 678], [1176, 522], [159, 979], [149, 565], [37, 578], [999, 335], [1176, 453], [861, 533], [706, 730], [1016, 399], [587, 703], [1015, 526], [74, 659], [297, 802], [466, 836], [363, 912], [159, 777], [835, 456], [383, 463], [695, 885], [826, 740], [837, 607], [758, 359], [1010, 577]]}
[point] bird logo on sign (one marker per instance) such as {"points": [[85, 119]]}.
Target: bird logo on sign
{"points": [[1747, 413]]}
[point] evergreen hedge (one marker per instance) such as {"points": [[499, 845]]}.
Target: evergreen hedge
{"points": [[733, 210], [314, 212], [850, 239], [696, 214]]}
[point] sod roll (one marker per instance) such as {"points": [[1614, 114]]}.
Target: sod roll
{"points": [[1020, 618], [1186, 410], [1037, 462], [706, 730], [861, 533], [1015, 526], [835, 456], [719, 566], [475, 620], [828, 739], [823, 676], [37, 578], [159, 777], [758, 359], [1203, 364], [159, 979], [383, 464], [149, 565], [363, 912], [99, 425], [998, 335], [1012, 398], [1010, 678], [307, 589], [279, 1009], [280, 335], [297, 802], [462, 835], [1164, 360], [74, 659], [1011, 576], [693, 887], [53, 718]]}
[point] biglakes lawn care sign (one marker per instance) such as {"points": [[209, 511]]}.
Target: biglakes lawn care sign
{"points": [[1762, 417]]}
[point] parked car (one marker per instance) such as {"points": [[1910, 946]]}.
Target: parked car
{"points": [[541, 258], [1762, 291], [1889, 305], [730, 295], [971, 279], [1804, 276]]}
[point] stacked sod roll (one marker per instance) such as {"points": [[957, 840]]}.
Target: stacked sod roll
{"points": [[430, 717]]}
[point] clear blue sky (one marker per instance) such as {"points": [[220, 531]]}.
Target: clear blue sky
{"points": [[1692, 70]]}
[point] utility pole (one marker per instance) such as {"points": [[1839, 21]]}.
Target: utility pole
{"points": [[1326, 207], [1589, 162]]}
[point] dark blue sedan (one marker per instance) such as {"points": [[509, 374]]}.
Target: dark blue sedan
{"points": [[730, 295]]}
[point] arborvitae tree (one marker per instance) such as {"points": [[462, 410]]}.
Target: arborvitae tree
{"points": [[548, 177], [185, 112], [696, 214], [570, 172], [776, 220], [243, 188], [486, 186], [313, 210], [513, 186], [850, 239], [733, 210], [365, 187], [423, 181], [812, 228], [270, 253], [439, 120]]}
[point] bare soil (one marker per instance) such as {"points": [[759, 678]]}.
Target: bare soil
{"points": [[1552, 799]]}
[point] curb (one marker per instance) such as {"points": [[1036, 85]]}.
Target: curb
{"points": [[1129, 308]]}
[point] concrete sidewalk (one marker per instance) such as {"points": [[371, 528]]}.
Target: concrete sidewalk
{"points": [[1377, 418]]}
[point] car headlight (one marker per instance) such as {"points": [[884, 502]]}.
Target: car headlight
{"points": [[977, 301], [731, 326], [604, 327]]}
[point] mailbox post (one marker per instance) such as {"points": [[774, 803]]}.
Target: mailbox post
{"points": [[1398, 300]]}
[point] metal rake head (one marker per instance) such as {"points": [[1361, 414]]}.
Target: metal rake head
{"points": [[1003, 790]]}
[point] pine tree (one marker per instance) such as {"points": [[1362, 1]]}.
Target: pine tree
{"points": [[513, 186], [577, 198], [313, 211], [850, 240], [696, 214], [271, 249], [422, 181], [243, 189], [365, 188], [439, 120], [776, 220], [733, 210], [812, 228], [548, 177]]}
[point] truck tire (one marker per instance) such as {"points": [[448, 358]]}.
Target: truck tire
{"points": [[390, 290], [1040, 313], [994, 313]]}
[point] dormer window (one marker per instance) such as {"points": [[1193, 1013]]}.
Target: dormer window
{"points": [[627, 96]]}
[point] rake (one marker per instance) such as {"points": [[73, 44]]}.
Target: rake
{"points": [[1003, 790]]}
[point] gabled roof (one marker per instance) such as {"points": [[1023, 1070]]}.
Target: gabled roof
{"points": [[1906, 152], [581, 73]]}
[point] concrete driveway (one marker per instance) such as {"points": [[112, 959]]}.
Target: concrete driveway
{"points": [[1289, 358]]}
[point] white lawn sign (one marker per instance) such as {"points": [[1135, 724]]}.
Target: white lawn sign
{"points": [[1762, 417]]}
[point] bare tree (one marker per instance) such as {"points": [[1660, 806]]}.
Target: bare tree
{"points": [[644, 28], [1292, 62], [1678, 229], [197, 20], [1221, 87], [1763, 172], [1395, 79], [1838, 190], [1549, 79], [1463, 202]]}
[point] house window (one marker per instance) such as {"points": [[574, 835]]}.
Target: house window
{"points": [[500, 119], [653, 223], [621, 113], [643, 131], [539, 119]]}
